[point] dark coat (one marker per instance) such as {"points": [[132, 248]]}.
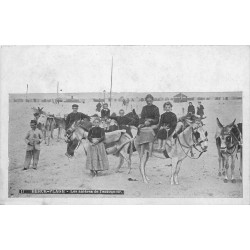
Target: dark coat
{"points": [[191, 109], [72, 117], [96, 132], [105, 113], [150, 112], [200, 110], [168, 119]]}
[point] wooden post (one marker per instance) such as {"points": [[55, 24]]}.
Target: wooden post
{"points": [[104, 95], [57, 89], [111, 81]]}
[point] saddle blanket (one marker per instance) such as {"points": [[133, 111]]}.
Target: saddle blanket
{"points": [[113, 136], [147, 134]]}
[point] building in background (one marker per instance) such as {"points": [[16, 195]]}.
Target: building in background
{"points": [[180, 98]]}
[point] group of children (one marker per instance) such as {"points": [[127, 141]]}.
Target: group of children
{"points": [[97, 159]]}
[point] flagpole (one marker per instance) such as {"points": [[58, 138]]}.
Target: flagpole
{"points": [[57, 90], [111, 81], [27, 91]]}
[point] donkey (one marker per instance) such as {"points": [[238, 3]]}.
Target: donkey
{"points": [[50, 126], [118, 142], [193, 136], [60, 124], [229, 143]]}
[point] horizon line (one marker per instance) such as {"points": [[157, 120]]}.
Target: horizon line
{"points": [[129, 92]]}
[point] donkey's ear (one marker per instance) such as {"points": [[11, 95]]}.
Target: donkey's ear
{"points": [[232, 124], [218, 123]]}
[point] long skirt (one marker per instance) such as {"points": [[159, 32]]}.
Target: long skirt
{"points": [[97, 158]]}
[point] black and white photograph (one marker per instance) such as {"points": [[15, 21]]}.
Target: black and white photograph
{"points": [[125, 122]]}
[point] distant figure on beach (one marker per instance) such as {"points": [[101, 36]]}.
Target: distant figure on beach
{"points": [[98, 107], [33, 140], [105, 113], [191, 109], [200, 109]]}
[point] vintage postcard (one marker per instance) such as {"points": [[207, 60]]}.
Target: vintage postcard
{"points": [[124, 124]]}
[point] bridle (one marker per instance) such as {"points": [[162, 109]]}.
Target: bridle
{"points": [[196, 143], [233, 147]]}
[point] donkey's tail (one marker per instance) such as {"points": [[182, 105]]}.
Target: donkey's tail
{"points": [[119, 148]]}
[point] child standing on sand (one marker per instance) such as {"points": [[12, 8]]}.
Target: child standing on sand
{"points": [[33, 140], [97, 159]]}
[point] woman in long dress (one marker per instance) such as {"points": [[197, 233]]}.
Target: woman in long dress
{"points": [[97, 159]]}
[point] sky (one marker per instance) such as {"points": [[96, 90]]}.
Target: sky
{"points": [[135, 68]]}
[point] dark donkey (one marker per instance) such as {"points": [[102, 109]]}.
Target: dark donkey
{"points": [[229, 143]]}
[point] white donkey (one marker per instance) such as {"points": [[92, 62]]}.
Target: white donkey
{"points": [[194, 136]]}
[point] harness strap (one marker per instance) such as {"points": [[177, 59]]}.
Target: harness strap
{"points": [[190, 148]]}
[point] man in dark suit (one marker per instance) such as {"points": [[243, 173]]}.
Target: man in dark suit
{"points": [[200, 109], [71, 118], [74, 116], [191, 109]]}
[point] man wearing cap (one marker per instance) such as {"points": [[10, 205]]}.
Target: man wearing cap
{"points": [[200, 109], [71, 118], [150, 113], [191, 109], [74, 116], [33, 140]]}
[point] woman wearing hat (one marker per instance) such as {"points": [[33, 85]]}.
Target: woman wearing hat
{"points": [[150, 114], [167, 125]]}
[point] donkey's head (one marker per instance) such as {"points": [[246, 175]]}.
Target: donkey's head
{"points": [[198, 132], [225, 137]]}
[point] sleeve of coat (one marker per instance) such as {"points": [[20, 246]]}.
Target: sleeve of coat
{"points": [[173, 124], [102, 135], [143, 116], [90, 135], [84, 116], [157, 116], [67, 122]]}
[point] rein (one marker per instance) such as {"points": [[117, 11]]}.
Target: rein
{"points": [[189, 146], [201, 152], [234, 144], [233, 147]]}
